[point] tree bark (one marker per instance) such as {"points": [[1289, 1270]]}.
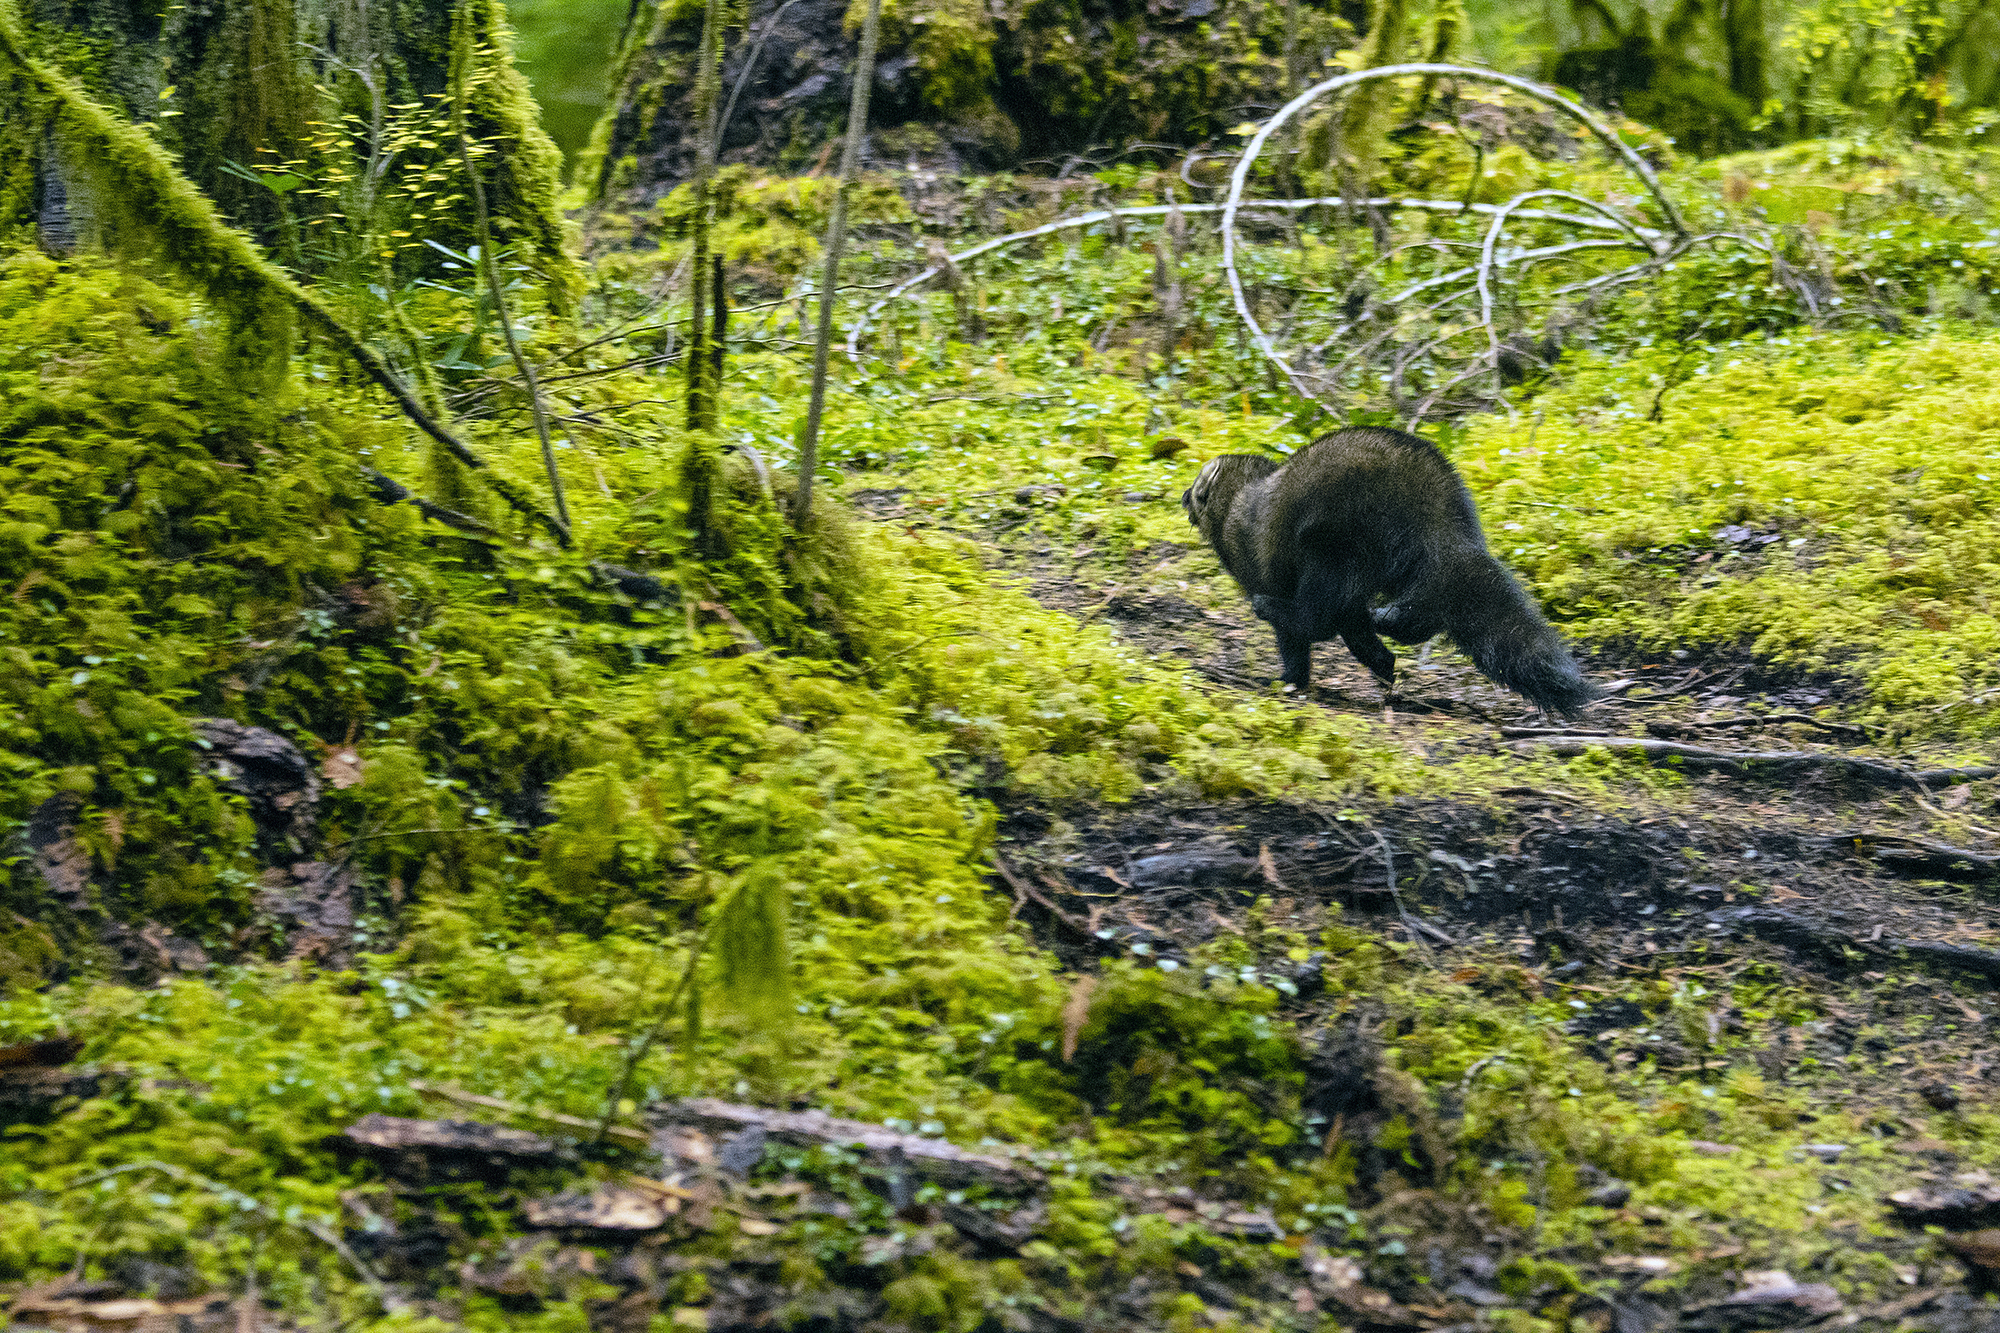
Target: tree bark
{"points": [[229, 89], [704, 454], [836, 236], [1749, 48]]}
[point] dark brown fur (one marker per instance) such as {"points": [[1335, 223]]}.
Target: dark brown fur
{"points": [[1368, 514]]}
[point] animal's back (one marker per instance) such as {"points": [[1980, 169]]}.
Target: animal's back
{"points": [[1379, 499]]}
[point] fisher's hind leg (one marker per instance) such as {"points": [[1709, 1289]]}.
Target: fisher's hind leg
{"points": [[1408, 621], [1328, 603]]}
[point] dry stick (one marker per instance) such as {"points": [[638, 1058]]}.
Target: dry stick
{"points": [[1116, 215], [1024, 890], [390, 491], [1389, 867], [1547, 96], [836, 236], [1698, 756], [489, 264], [452, 1093], [1484, 278], [137, 169], [1894, 847], [654, 1033]]}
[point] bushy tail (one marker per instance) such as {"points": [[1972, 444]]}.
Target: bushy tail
{"points": [[1495, 623]]}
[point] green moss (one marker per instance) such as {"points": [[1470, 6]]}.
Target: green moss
{"points": [[952, 41], [561, 790]]}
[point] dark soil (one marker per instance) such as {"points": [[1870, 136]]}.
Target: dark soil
{"points": [[1809, 882]]}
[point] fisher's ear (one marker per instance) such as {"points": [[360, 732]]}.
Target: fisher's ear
{"points": [[1197, 494]]}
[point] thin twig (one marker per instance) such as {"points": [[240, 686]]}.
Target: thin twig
{"points": [[456, 1094], [1748, 765], [653, 1034], [1389, 869], [908, 285], [1023, 889], [1548, 96]]}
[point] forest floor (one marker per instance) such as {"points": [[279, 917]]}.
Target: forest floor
{"points": [[1823, 881], [410, 930]]}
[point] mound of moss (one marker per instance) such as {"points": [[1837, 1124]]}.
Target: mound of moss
{"points": [[960, 84]]}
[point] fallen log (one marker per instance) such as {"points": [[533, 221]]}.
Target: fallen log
{"points": [[450, 1148], [1803, 933], [1764, 763], [934, 1159], [1906, 853]]}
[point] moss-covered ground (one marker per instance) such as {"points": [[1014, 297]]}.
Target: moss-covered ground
{"points": [[1530, 1042]]}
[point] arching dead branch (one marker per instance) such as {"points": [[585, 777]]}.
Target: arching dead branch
{"points": [[1239, 179]]}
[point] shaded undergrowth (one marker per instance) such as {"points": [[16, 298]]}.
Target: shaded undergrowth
{"points": [[545, 790]]}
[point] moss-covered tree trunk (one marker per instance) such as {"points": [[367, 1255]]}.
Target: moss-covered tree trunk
{"points": [[1749, 46], [242, 93], [704, 454], [1363, 123]]}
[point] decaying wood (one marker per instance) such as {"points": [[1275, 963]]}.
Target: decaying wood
{"points": [[394, 1137], [1800, 932], [48, 1053], [34, 1093], [1956, 1206], [1920, 854], [633, 1205], [1765, 763], [638, 1138], [933, 1159]]}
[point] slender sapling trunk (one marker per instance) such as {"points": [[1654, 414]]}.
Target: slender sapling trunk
{"points": [[836, 235]]}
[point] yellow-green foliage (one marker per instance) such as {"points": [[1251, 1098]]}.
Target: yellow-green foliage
{"points": [[952, 41], [153, 511], [769, 227], [566, 796], [1876, 462]]}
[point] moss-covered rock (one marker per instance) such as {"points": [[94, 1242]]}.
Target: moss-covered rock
{"points": [[996, 83]]}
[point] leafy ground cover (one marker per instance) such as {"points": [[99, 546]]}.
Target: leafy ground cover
{"points": [[1457, 1034]]}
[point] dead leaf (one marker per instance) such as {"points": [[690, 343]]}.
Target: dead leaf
{"points": [[606, 1208], [1270, 868], [1075, 1014], [757, 1226], [343, 767], [1640, 1263], [47, 1053]]}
